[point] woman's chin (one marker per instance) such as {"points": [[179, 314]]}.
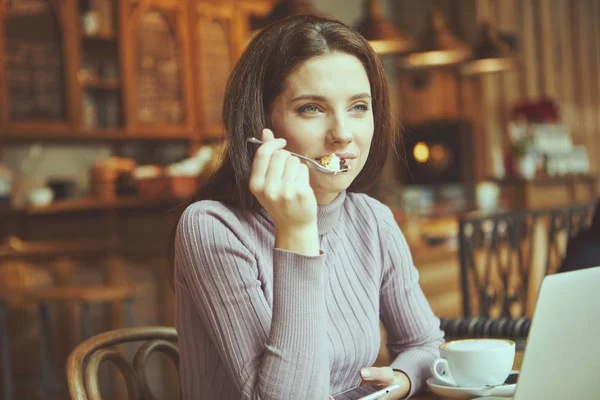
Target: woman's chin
{"points": [[332, 183]]}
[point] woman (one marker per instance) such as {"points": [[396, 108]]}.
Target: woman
{"points": [[283, 272]]}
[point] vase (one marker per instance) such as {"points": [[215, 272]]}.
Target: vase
{"points": [[526, 167]]}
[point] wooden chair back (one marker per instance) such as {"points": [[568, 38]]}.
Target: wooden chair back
{"points": [[85, 359]]}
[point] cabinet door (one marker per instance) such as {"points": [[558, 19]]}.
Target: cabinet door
{"points": [[214, 50], [156, 63], [36, 66], [220, 30], [100, 73]]}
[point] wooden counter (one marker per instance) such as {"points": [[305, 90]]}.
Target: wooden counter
{"points": [[122, 219], [548, 192]]}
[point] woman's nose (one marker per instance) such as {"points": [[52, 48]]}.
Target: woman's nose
{"points": [[339, 131]]}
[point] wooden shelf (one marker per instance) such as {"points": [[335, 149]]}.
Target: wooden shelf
{"points": [[105, 133], [100, 37], [96, 135], [102, 85], [94, 204]]}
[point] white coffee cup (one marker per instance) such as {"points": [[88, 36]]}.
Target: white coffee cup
{"points": [[474, 363]]}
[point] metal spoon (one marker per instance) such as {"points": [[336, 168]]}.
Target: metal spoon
{"points": [[314, 163]]}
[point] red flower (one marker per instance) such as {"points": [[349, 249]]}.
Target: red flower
{"points": [[544, 110]]}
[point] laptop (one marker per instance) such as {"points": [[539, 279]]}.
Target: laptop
{"points": [[562, 355]]}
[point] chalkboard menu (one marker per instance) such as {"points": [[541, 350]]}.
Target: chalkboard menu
{"points": [[216, 64], [34, 61], [159, 93]]}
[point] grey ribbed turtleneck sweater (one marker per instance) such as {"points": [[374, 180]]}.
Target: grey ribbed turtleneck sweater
{"points": [[255, 322]]}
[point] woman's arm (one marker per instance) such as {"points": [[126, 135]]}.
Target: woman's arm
{"points": [[413, 331], [269, 353]]}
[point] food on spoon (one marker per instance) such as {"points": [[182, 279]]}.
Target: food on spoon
{"points": [[334, 163]]}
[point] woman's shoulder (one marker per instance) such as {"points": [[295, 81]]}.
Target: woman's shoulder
{"points": [[363, 203], [379, 217], [209, 213], [208, 208]]}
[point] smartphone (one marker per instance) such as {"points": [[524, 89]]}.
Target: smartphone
{"points": [[512, 378], [366, 393]]}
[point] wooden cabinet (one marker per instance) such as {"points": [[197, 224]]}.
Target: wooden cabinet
{"points": [[157, 68], [36, 66], [99, 78], [119, 69]]}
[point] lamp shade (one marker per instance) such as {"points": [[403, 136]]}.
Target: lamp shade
{"points": [[437, 47], [491, 53], [380, 32]]}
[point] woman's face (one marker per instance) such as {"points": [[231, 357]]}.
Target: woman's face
{"points": [[325, 108]]}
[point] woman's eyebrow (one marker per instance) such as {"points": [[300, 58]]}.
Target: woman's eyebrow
{"points": [[360, 96], [323, 98], [310, 97]]}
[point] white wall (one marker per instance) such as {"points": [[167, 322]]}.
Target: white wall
{"points": [[347, 11]]}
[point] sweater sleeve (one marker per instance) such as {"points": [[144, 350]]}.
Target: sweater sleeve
{"points": [[414, 334], [277, 352]]}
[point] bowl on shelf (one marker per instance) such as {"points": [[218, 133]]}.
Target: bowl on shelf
{"points": [[167, 186], [40, 197]]}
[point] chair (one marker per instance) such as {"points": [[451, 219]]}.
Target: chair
{"points": [[85, 359], [504, 256], [23, 291], [563, 225], [481, 327]]}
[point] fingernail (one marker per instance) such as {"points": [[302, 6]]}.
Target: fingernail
{"points": [[365, 373]]}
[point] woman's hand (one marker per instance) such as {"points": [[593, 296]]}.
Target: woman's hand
{"points": [[386, 376], [280, 182]]}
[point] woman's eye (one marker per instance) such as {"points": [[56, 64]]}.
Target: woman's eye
{"points": [[361, 108], [309, 108]]}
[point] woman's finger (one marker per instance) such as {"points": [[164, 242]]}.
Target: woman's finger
{"points": [[267, 135], [273, 182], [290, 176], [260, 164], [378, 375], [303, 176]]}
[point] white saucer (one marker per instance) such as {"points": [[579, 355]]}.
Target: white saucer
{"points": [[490, 398], [452, 392]]}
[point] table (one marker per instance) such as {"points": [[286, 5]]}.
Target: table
{"points": [[431, 396]]}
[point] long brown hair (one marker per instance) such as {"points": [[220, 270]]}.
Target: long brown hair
{"points": [[258, 79]]}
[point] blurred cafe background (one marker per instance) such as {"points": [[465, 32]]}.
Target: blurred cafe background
{"points": [[110, 121]]}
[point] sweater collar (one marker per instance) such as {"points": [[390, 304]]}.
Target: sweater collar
{"points": [[328, 216]]}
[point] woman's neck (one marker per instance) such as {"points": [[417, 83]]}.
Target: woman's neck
{"points": [[324, 199]]}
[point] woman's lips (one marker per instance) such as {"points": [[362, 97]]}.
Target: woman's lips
{"points": [[346, 156]]}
